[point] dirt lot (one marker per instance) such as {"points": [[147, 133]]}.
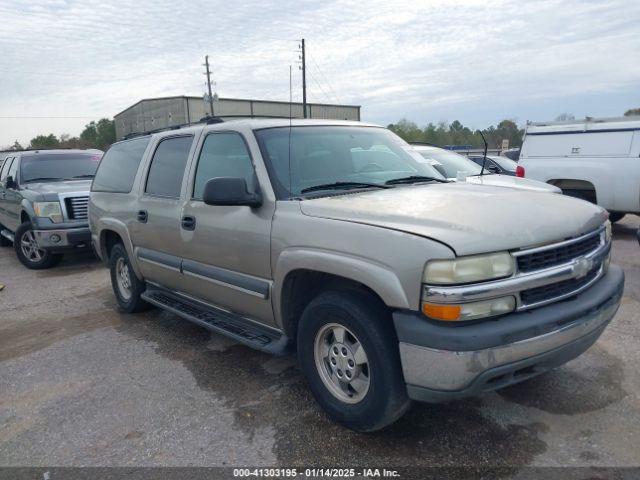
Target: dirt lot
{"points": [[81, 384]]}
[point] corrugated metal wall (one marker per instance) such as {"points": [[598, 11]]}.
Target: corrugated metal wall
{"points": [[156, 113]]}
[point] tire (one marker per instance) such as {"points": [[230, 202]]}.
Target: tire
{"points": [[127, 287], [615, 216], [366, 408], [28, 252]]}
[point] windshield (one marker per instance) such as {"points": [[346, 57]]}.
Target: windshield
{"points": [[505, 163], [325, 155], [450, 163], [57, 166]]}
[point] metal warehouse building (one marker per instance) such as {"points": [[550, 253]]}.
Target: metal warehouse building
{"points": [[154, 113]]}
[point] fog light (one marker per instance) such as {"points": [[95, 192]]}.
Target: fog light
{"points": [[55, 238]]}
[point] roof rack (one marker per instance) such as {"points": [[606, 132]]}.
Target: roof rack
{"points": [[204, 120]]}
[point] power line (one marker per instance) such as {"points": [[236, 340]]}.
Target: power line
{"points": [[324, 77]]}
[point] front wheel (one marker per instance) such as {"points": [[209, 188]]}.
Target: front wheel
{"points": [[615, 216], [28, 251], [348, 352]]}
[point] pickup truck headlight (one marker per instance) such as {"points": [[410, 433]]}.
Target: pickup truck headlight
{"points": [[50, 210], [475, 268], [607, 231]]}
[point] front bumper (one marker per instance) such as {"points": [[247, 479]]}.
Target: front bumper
{"points": [[442, 362], [64, 239]]}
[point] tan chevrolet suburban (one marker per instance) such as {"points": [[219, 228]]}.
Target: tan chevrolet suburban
{"points": [[337, 240]]}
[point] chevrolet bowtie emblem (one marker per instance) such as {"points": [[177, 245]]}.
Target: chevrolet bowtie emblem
{"points": [[582, 267]]}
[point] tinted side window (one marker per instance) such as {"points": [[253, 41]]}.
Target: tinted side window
{"points": [[119, 166], [13, 169], [167, 167], [223, 155]]}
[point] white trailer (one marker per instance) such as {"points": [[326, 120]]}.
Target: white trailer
{"points": [[594, 159]]}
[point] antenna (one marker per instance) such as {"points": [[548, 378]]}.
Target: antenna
{"points": [[484, 157], [290, 115], [303, 67]]}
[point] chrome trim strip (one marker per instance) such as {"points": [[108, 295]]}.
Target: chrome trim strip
{"points": [[454, 370], [576, 268], [164, 265], [224, 284], [552, 246]]}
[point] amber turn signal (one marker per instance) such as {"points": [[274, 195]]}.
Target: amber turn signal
{"points": [[442, 312]]}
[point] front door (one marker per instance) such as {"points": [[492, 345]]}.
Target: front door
{"points": [[226, 251], [11, 198], [155, 229], [4, 171]]}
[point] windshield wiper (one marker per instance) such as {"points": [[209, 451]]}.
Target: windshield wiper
{"points": [[88, 175], [41, 179], [341, 185], [414, 179]]}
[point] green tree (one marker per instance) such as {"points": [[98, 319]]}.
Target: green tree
{"points": [[99, 134], [632, 112], [407, 130], [44, 142]]}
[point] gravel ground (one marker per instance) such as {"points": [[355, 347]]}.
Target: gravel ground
{"points": [[84, 385]]}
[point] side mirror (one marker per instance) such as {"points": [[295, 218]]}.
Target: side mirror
{"points": [[493, 169], [9, 182], [230, 191]]}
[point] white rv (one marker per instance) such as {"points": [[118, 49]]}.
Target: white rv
{"points": [[594, 159]]}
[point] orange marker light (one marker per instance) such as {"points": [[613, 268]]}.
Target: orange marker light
{"points": [[447, 313]]}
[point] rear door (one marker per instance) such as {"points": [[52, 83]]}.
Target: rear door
{"points": [[155, 231], [226, 254]]}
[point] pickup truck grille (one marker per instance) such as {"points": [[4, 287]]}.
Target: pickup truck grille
{"points": [[77, 207], [559, 289], [557, 256]]}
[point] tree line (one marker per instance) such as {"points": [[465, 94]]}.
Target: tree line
{"points": [[100, 135], [457, 134]]}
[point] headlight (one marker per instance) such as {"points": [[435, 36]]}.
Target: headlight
{"points": [[607, 231], [469, 311], [50, 210], [469, 269]]}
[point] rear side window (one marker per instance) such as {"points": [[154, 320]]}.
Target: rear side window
{"points": [[167, 166], [119, 166], [223, 155], [5, 168]]}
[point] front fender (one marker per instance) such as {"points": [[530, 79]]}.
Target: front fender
{"points": [[379, 278]]}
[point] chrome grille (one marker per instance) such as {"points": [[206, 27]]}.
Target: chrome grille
{"points": [[557, 290], [557, 256], [77, 207]]}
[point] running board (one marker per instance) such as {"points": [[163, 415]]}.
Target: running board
{"points": [[7, 234], [220, 321]]}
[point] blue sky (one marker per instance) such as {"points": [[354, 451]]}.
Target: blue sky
{"points": [[474, 61]]}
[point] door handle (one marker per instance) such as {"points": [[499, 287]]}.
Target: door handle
{"points": [[143, 216], [189, 222]]}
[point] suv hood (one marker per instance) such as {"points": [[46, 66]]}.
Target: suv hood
{"points": [[513, 182], [64, 186], [469, 218]]}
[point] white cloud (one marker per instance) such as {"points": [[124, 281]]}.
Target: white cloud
{"points": [[476, 61]]}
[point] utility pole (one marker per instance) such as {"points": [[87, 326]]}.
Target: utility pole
{"points": [[304, 81], [208, 74]]}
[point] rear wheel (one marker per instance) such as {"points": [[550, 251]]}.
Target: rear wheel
{"points": [[28, 251], [126, 285], [348, 352]]}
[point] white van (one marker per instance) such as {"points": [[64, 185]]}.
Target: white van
{"points": [[594, 159]]}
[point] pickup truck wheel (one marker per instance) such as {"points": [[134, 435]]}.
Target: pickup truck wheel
{"points": [[348, 352], [126, 285], [28, 252], [615, 216]]}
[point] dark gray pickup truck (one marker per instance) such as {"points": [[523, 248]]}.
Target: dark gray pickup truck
{"points": [[44, 197]]}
